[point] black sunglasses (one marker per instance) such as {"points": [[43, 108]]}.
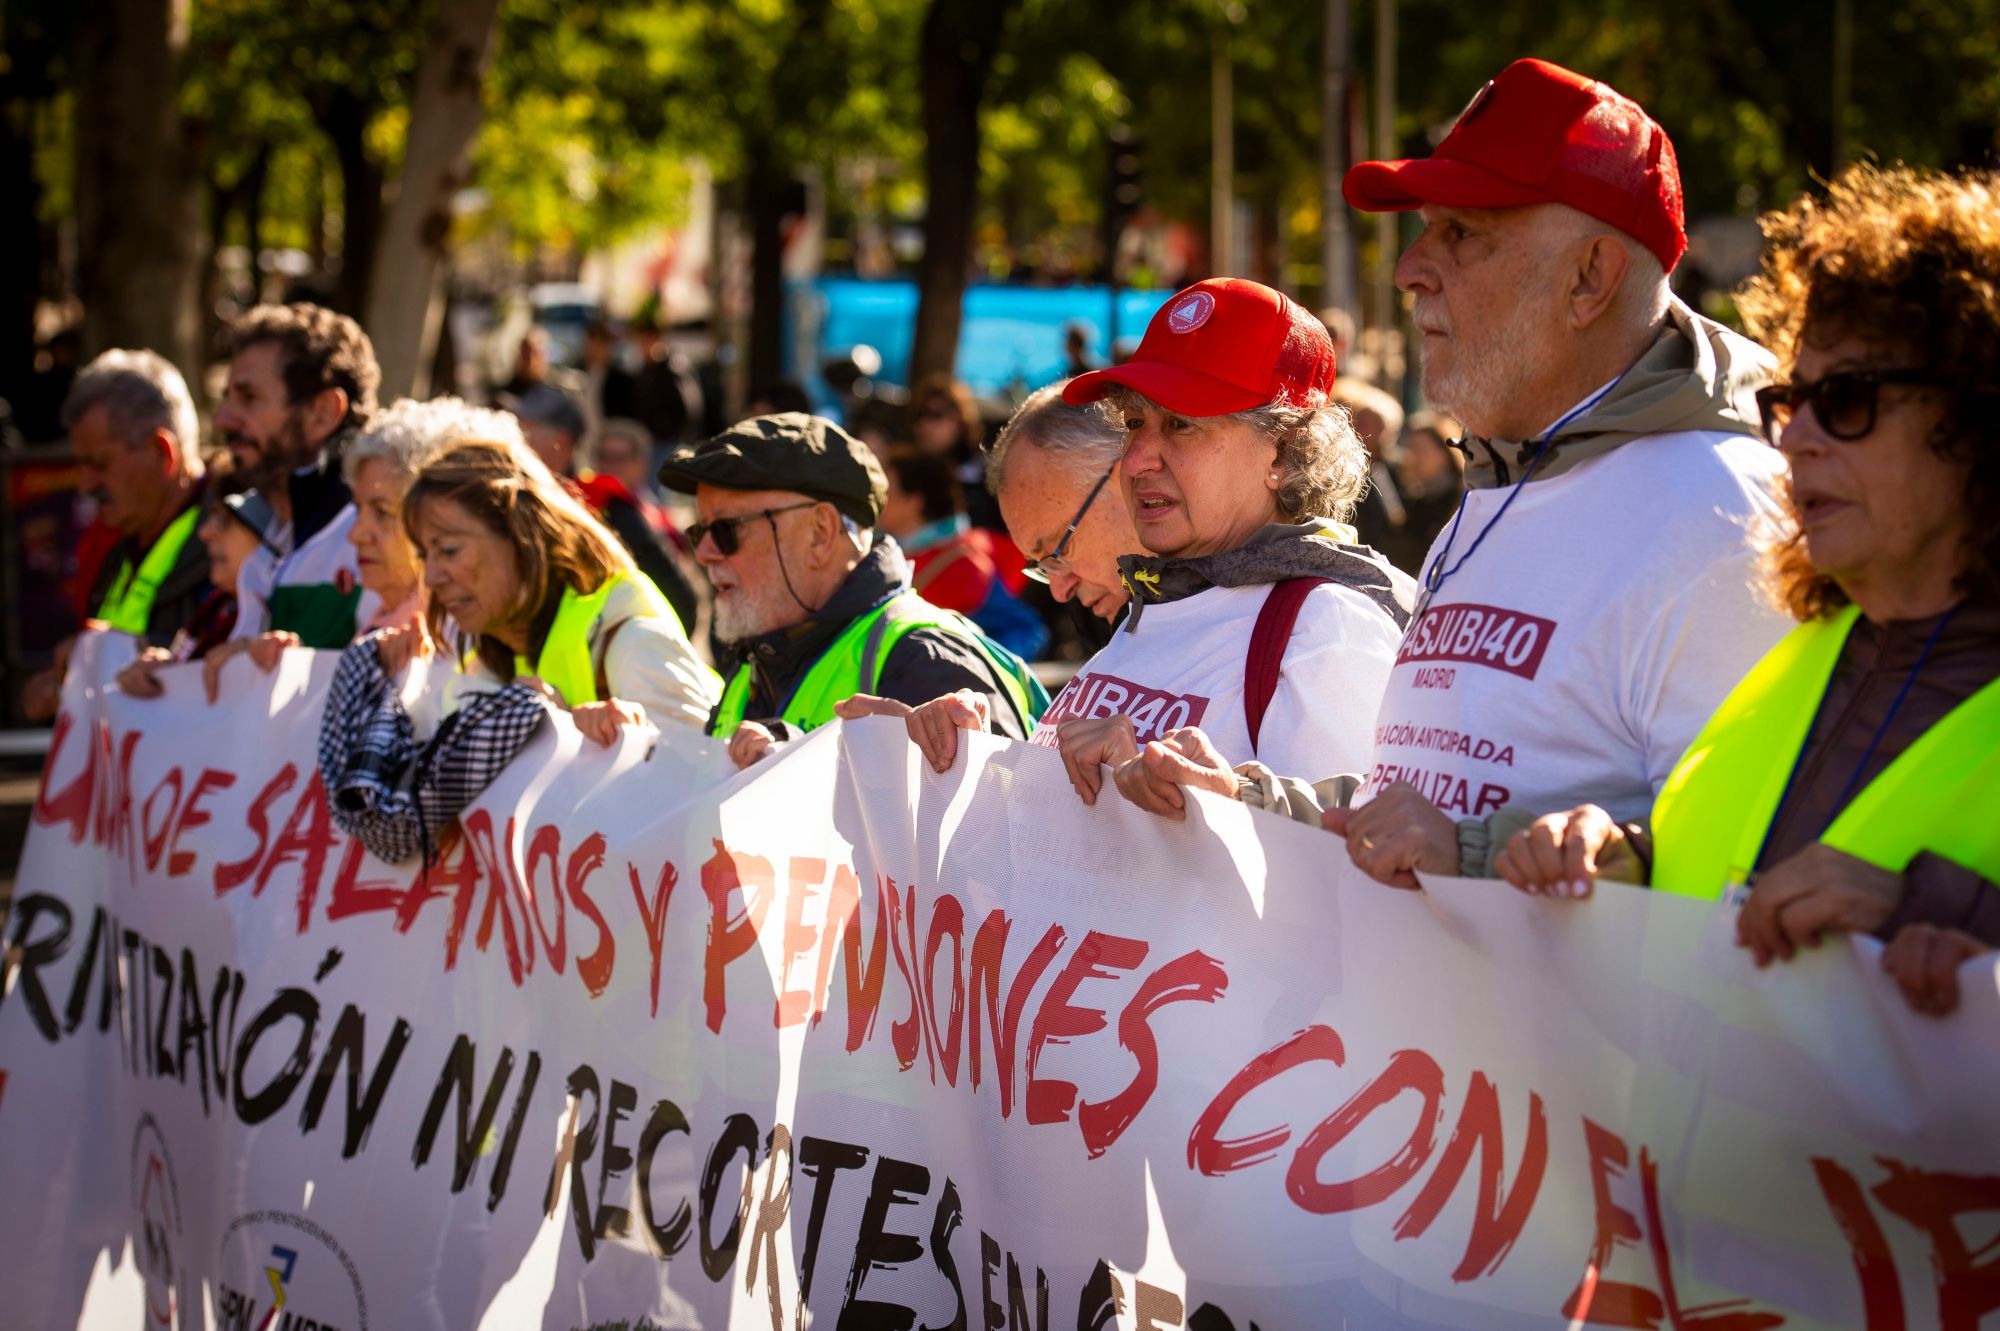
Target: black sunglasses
{"points": [[1053, 561], [723, 530], [1844, 403]]}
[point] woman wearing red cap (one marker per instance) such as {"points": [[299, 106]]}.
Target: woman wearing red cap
{"points": [[1257, 628]]}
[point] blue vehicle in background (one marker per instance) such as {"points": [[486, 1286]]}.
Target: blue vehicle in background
{"points": [[1010, 341]]}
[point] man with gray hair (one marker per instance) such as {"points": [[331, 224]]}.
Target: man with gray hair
{"points": [[1049, 469], [133, 427], [1592, 602]]}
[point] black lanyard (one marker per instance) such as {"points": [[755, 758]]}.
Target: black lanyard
{"points": [[1437, 574]]}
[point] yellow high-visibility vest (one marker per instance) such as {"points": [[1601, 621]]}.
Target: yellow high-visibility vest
{"points": [[1942, 794]]}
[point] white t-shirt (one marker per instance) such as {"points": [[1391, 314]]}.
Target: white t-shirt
{"points": [[1604, 618], [1184, 667]]}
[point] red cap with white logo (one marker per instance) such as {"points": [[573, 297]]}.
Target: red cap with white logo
{"points": [[1220, 346], [1539, 133]]}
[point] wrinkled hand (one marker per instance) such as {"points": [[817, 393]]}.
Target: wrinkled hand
{"points": [[933, 727], [1395, 834], [140, 679], [1089, 745], [395, 648], [1564, 854], [1923, 959], [1156, 778], [599, 721], [1808, 894], [264, 650], [750, 743]]}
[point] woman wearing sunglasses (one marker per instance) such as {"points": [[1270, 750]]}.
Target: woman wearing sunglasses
{"points": [[1851, 782]]}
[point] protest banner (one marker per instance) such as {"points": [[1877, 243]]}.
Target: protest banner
{"points": [[843, 1042]]}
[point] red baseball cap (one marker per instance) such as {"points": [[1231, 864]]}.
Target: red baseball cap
{"points": [[1539, 133], [1220, 346]]}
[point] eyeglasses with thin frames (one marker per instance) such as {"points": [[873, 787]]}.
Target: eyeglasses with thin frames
{"points": [[1055, 561], [723, 530]]}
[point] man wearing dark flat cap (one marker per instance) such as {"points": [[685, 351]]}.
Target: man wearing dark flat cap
{"points": [[813, 603]]}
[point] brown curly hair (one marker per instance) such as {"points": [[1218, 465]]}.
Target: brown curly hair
{"points": [[1908, 258], [557, 543]]}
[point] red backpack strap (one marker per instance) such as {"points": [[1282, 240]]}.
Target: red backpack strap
{"points": [[1267, 648]]}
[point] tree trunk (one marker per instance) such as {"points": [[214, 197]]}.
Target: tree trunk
{"points": [[344, 116], [139, 226], [405, 304], [960, 38], [20, 248], [768, 189]]}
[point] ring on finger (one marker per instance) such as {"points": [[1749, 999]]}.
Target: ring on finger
{"points": [[1367, 842]]}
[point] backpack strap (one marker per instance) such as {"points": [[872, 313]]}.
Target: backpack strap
{"points": [[1267, 648]]}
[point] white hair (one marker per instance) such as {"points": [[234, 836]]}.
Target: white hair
{"points": [[140, 392], [1082, 439], [407, 434]]}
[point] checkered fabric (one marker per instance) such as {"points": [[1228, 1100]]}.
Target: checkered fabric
{"points": [[388, 791]]}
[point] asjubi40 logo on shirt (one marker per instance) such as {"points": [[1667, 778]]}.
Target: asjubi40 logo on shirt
{"points": [[1481, 635], [1154, 712]]}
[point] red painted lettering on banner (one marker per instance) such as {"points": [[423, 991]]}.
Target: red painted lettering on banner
{"points": [[947, 924], [595, 969], [654, 913], [731, 934], [843, 899], [793, 1006], [1154, 712], [1408, 1070], [1968, 1278], [1099, 957], [307, 837], [113, 825], [1481, 635], [153, 835], [863, 977], [1498, 1219], [909, 1035], [1216, 1155], [545, 847], [1192, 977], [229, 877], [989, 948], [350, 896], [502, 892], [180, 862], [1618, 1303], [1874, 1263]]}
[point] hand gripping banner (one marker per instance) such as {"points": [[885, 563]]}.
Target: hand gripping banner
{"points": [[840, 1042]]}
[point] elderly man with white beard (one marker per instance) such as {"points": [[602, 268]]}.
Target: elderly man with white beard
{"points": [[1592, 601]]}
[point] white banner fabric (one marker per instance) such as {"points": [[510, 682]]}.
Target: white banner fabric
{"points": [[841, 1042]]}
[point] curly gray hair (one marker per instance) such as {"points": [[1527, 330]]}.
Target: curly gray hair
{"points": [[407, 434], [1325, 467]]}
